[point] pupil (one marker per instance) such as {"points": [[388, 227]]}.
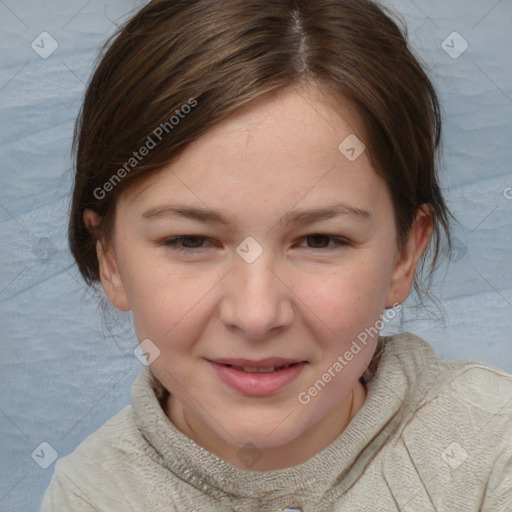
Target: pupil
{"points": [[317, 237], [192, 238]]}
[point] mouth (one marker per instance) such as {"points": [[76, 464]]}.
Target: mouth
{"points": [[252, 369], [257, 378], [266, 365]]}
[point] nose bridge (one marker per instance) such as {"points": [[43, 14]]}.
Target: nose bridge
{"points": [[255, 270], [256, 295]]}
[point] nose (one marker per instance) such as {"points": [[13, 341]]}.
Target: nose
{"points": [[257, 299]]}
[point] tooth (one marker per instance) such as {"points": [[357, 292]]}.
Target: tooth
{"points": [[250, 369], [267, 370]]}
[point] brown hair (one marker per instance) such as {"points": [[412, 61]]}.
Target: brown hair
{"points": [[179, 67]]}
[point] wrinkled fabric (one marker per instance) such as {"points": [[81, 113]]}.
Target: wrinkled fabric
{"points": [[431, 436]]}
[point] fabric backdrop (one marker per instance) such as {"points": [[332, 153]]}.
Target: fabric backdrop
{"points": [[66, 367]]}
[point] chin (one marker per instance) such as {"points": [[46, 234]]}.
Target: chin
{"points": [[260, 440], [262, 435]]}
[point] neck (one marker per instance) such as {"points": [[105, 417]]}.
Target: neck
{"points": [[298, 450]]}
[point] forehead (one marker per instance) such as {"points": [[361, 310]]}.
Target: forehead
{"points": [[296, 119], [278, 146]]}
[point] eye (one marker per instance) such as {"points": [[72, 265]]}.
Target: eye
{"points": [[337, 241], [193, 242]]}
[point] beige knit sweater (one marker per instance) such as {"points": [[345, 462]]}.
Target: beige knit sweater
{"points": [[432, 436]]}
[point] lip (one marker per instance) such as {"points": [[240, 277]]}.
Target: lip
{"points": [[262, 363], [257, 384]]}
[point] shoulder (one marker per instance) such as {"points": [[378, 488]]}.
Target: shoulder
{"points": [[104, 471], [474, 394], [117, 437], [464, 394], [456, 436], [478, 385], [472, 384]]}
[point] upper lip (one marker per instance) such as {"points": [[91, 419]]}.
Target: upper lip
{"points": [[262, 363]]}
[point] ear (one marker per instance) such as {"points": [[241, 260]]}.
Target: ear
{"points": [[108, 268], [404, 268]]}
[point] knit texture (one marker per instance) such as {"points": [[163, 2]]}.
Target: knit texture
{"points": [[431, 436]]}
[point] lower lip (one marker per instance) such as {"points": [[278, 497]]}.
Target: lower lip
{"points": [[257, 384]]}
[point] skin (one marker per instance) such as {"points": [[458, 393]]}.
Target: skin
{"points": [[303, 297]]}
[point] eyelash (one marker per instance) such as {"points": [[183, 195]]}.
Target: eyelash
{"points": [[172, 242]]}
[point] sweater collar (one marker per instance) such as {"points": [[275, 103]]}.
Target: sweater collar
{"points": [[398, 377]]}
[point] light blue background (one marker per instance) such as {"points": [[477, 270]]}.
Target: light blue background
{"points": [[66, 368]]}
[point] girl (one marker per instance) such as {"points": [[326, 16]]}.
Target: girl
{"points": [[218, 143]]}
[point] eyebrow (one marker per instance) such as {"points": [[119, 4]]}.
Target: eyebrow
{"points": [[304, 216]]}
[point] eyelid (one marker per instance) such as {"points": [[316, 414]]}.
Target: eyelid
{"points": [[337, 242], [173, 241]]}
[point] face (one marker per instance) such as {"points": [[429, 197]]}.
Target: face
{"points": [[267, 284]]}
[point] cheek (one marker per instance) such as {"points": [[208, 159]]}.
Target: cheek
{"points": [[162, 311], [168, 300], [348, 298], [151, 291]]}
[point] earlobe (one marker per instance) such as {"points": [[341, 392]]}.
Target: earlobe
{"points": [[405, 266], [111, 278], [108, 269]]}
